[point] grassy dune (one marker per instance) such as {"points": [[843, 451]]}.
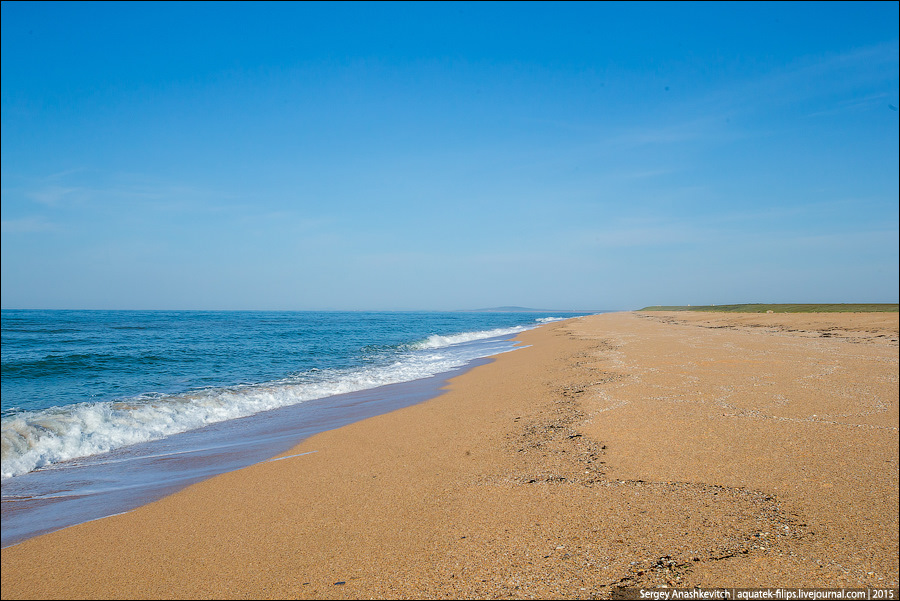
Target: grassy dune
{"points": [[784, 308]]}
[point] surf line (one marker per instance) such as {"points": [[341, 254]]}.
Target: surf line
{"points": [[289, 456]]}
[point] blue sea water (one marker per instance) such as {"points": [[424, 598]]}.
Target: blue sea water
{"points": [[105, 410]]}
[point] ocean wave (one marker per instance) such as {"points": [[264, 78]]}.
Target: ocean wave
{"points": [[33, 440], [437, 341], [74, 363]]}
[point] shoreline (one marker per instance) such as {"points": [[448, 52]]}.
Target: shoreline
{"points": [[32, 505], [614, 451]]}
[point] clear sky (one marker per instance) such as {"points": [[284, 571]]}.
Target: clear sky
{"points": [[448, 156]]}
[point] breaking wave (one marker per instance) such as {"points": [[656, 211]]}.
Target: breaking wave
{"points": [[33, 440]]}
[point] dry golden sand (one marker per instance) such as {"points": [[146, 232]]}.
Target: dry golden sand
{"points": [[619, 450]]}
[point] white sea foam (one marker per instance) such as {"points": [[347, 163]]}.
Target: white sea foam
{"points": [[38, 439], [436, 341]]}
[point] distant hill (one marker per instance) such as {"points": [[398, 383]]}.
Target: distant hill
{"points": [[514, 309]]}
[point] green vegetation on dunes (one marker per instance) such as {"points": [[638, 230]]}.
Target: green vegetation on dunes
{"points": [[784, 308]]}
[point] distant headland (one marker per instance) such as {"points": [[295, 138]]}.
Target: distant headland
{"points": [[515, 309]]}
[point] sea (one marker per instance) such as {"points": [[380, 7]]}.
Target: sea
{"points": [[104, 411]]}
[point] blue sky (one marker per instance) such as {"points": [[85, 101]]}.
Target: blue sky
{"points": [[448, 156]]}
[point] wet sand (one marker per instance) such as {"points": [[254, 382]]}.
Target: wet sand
{"points": [[49, 500], [616, 451]]}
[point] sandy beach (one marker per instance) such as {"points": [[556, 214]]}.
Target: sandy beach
{"points": [[613, 451]]}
